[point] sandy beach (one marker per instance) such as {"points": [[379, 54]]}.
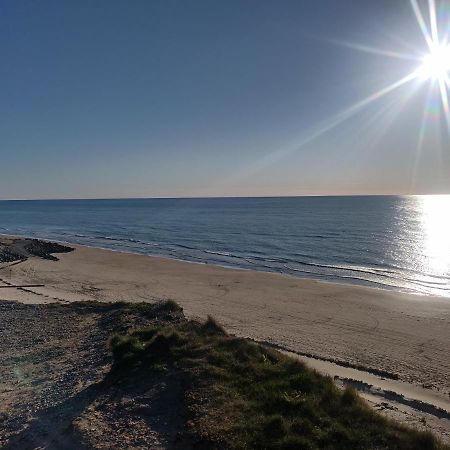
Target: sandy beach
{"points": [[388, 341]]}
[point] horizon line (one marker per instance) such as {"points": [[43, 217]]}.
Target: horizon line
{"points": [[215, 197]]}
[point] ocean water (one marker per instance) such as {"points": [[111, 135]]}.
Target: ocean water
{"points": [[400, 243]]}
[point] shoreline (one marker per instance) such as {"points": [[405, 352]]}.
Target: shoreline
{"points": [[367, 284], [373, 334]]}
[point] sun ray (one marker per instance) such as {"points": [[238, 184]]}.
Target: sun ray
{"points": [[336, 120], [434, 68], [382, 122], [421, 138], [445, 101], [382, 92], [345, 114], [376, 51], [326, 126], [421, 22], [433, 21]]}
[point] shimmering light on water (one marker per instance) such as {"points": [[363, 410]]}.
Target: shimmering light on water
{"points": [[435, 221], [392, 242]]}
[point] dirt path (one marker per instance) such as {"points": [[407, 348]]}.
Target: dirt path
{"points": [[53, 395]]}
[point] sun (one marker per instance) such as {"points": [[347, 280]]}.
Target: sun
{"points": [[436, 65]]}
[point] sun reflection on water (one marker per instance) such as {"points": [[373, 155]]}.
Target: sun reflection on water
{"points": [[435, 224]]}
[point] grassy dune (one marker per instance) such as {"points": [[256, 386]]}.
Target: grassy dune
{"points": [[241, 395]]}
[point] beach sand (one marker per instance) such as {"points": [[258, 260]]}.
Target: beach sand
{"points": [[381, 336]]}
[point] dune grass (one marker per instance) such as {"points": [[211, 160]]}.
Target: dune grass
{"points": [[241, 395]]}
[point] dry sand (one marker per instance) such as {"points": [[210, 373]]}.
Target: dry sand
{"points": [[383, 334]]}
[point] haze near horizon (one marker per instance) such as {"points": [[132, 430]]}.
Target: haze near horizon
{"points": [[169, 99]]}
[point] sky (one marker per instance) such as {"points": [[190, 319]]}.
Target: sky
{"points": [[112, 99]]}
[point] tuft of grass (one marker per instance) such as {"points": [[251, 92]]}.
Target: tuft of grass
{"points": [[169, 306], [349, 397], [126, 351], [211, 327], [242, 395], [166, 309]]}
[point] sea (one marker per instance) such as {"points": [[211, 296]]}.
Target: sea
{"points": [[388, 242]]}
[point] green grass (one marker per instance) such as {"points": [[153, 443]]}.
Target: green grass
{"points": [[241, 395]]}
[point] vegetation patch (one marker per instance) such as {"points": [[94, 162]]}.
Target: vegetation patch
{"points": [[242, 395]]}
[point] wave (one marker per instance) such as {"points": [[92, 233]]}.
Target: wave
{"points": [[230, 255], [274, 254], [401, 282], [386, 276]]}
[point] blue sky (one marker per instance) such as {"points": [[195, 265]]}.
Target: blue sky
{"points": [[212, 98]]}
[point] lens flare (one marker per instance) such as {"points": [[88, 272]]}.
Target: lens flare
{"points": [[436, 65], [433, 68]]}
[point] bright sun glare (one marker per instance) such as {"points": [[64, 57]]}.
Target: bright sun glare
{"points": [[436, 65], [432, 67]]}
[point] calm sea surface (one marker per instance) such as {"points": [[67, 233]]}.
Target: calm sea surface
{"points": [[398, 243]]}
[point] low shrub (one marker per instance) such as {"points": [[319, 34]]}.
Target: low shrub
{"points": [[242, 395]]}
